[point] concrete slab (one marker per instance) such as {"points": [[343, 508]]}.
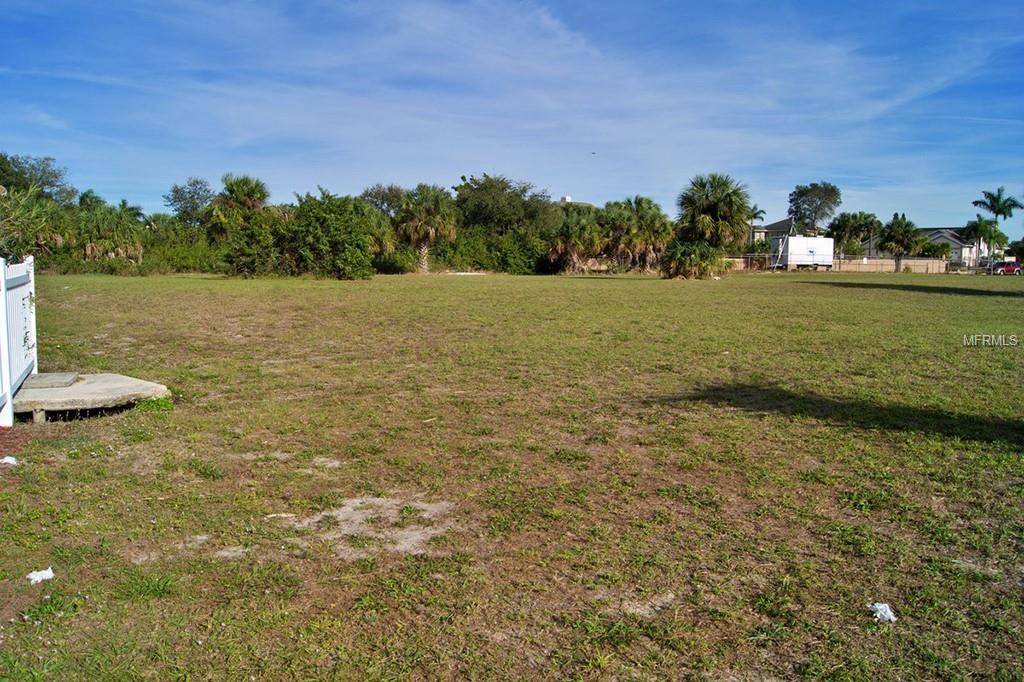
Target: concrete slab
{"points": [[90, 392], [50, 380]]}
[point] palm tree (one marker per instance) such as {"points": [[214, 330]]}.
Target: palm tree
{"points": [[639, 230], [655, 231], [427, 214], [901, 238], [579, 238], [756, 216], [242, 191], [848, 229], [89, 198], [131, 211], [623, 231], [714, 209], [985, 231], [1001, 207]]}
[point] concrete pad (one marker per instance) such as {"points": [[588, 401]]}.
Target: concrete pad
{"points": [[50, 380], [90, 392]]}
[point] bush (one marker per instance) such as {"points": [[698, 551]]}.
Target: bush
{"points": [[936, 250], [691, 259], [398, 262], [470, 250], [523, 253], [197, 256], [21, 222], [251, 242], [335, 236], [68, 263]]}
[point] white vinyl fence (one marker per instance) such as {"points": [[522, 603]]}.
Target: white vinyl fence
{"points": [[18, 354]]}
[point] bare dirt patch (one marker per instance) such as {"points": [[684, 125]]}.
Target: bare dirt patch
{"points": [[648, 608], [365, 525], [13, 441], [191, 546]]}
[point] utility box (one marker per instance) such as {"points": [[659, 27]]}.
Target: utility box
{"points": [[793, 252]]}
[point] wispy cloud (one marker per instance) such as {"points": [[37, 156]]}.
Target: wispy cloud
{"points": [[414, 90]]}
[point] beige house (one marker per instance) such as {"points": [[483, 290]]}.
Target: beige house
{"points": [[964, 251]]}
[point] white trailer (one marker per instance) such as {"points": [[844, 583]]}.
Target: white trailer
{"points": [[792, 252]]}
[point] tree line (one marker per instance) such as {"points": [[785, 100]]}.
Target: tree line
{"points": [[486, 222]]}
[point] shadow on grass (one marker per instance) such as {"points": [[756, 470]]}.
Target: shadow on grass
{"points": [[921, 289], [863, 414]]}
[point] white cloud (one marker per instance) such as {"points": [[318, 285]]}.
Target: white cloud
{"points": [[416, 90]]}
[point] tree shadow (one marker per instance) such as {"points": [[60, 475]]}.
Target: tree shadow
{"points": [[921, 289], [863, 414]]}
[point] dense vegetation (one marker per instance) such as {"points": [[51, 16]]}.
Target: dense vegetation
{"points": [[483, 223]]}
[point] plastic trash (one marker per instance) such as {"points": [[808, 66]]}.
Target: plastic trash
{"points": [[883, 612], [36, 577], [13, 461]]}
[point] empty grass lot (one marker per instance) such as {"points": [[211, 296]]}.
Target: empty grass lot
{"points": [[536, 477]]}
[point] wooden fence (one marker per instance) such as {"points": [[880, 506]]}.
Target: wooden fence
{"points": [[18, 354], [920, 265]]}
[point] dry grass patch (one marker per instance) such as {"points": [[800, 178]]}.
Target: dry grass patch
{"points": [[544, 478]]}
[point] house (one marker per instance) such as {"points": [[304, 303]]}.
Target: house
{"points": [[566, 200], [779, 228], [964, 251]]}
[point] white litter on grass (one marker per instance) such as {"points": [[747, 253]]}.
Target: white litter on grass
{"points": [[883, 612], [13, 461], [36, 577]]}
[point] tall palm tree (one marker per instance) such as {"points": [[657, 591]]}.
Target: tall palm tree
{"points": [[1001, 206], [756, 216], [427, 214], [901, 238], [714, 209]]}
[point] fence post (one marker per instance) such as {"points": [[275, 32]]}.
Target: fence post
{"points": [[7, 411], [31, 262]]}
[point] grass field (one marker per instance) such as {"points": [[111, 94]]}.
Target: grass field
{"points": [[536, 477]]}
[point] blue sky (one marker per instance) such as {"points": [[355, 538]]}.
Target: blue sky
{"points": [[913, 107]]}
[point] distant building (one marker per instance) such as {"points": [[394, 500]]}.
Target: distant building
{"points": [[566, 200], [780, 228], [964, 251]]}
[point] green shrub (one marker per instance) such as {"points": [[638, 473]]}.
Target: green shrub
{"points": [[691, 260], [399, 261], [335, 236], [251, 244], [522, 253], [470, 250], [67, 263]]}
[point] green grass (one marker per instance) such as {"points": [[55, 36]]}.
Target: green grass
{"points": [[630, 478]]}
